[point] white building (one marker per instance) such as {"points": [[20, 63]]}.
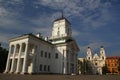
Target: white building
{"points": [[95, 62], [56, 54], [81, 62]]}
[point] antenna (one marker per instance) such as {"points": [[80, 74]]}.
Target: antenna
{"points": [[62, 14]]}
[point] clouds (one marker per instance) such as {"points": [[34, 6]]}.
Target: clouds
{"points": [[91, 19], [3, 12], [93, 13]]}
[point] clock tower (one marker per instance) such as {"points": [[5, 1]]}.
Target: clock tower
{"points": [[61, 30]]}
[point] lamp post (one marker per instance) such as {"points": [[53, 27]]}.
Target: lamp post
{"points": [[84, 66]]}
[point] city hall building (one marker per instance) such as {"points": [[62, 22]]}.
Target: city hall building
{"points": [[34, 54]]}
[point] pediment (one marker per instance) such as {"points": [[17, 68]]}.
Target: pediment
{"points": [[96, 57]]}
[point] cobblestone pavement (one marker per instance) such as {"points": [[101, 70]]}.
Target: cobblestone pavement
{"points": [[58, 77]]}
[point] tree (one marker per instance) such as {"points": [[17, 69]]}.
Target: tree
{"points": [[104, 69], [3, 58], [119, 65]]}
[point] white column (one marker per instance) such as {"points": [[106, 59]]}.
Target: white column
{"points": [[34, 61], [18, 63], [69, 60], [75, 63], [8, 61], [24, 70], [13, 60], [65, 62]]}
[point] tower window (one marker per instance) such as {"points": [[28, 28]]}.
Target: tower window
{"points": [[58, 33], [96, 64], [102, 57], [89, 58]]}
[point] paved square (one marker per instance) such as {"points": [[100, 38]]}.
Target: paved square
{"points": [[58, 77]]}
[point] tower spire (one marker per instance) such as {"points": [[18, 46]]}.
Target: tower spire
{"points": [[62, 14]]}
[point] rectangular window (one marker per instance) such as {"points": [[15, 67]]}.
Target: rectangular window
{"points": [[40, 68], [49, 55], [48, 68], [44, 67], [56, 56], [45, 54], [41, 53]]}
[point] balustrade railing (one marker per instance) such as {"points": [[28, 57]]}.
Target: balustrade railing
{"points": [[22, 53], [11, 54], [58, 36], [16, 54]]}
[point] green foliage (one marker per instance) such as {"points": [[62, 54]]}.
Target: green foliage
{"points": [[119, 64], [104, 69], [3, 58]]}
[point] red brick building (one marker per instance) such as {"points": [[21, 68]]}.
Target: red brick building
{"points": [[112, 64]]}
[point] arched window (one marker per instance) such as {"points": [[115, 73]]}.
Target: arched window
{"points": [[89, 58], [102, 57], [12, 49], [23, 47], [17, 48], [96, 64]]}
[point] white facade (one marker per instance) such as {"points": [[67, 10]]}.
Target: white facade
{"points": [[95, 62], [56, 54]]}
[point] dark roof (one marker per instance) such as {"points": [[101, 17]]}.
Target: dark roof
{"points": [[102, 46], [113, 57], [88, 47], [69, 40], [61, 19], [38, 38], [32, 35]]}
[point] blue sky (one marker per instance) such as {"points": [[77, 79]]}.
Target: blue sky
{"points": [[94, 22]]}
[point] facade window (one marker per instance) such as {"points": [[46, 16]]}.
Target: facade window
{"points": [[23, 47], [49, 55], [40, 68], [41, 53], [56, 56], [45, 54], [12, 49], [111, 64], [48, 68], [44, 67], [17, 48]]}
